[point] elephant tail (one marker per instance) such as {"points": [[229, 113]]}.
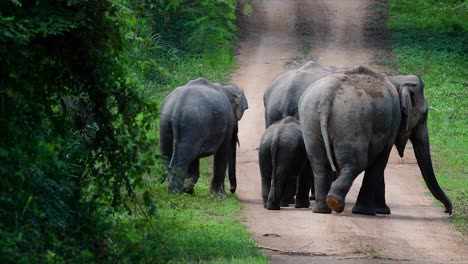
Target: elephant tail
{"points": [[325, 111]]}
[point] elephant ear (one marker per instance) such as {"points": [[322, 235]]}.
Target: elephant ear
{"points": [[406, 102], [240, 104]]}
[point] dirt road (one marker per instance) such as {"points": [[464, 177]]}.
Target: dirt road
{"points": [[281, 33]]}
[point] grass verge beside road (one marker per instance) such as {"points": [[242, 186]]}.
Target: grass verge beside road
{"points": [[185, 228], [188, 229], [430, 38]]}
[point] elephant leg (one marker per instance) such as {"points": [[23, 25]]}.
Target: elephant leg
{"points": [[353, 159], [371, 198], [183, 156], [166, 145], [193, 173], [232, 162], [220, 165], [289, 191], [340, 187], [322, 173], [365, 203], [277, 189], [381, 206], [304, 184], [265, 172]]}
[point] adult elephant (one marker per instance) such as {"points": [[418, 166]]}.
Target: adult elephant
{"points": [[282, 96], [350, 121], [197, 120]]}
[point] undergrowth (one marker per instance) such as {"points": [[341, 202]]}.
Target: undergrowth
{"points": [[187, 228], [430, 38]]}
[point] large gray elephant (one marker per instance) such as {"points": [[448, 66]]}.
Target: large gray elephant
{"points": [[284, 166], [350, 121], [282, 95], [197, 120]]}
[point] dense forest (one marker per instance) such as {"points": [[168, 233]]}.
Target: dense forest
{"points": [[80, 87], [80, 83]]}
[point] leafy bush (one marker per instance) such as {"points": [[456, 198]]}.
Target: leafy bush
{"points": [[70, 137], [80, 84]]}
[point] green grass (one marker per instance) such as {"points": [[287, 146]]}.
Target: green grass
{"points": [[372, 252], [430, 38], [186, 228]]}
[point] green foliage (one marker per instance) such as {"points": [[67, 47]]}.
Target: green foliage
{"points": [[186, 229], [430, 38], [80, 85], [70, 144]]}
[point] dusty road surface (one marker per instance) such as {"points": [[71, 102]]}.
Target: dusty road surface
{"points": [[282, 33]]}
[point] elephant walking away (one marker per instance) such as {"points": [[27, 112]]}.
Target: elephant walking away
{"points": [[282, 95], [350, 121], [197, 120], [284, 167]]}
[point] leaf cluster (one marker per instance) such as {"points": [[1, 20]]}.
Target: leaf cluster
{"points": [[72, 128]]}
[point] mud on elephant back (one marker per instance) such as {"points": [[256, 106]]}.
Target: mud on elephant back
{"points": [[350, 121], [197, 120]]}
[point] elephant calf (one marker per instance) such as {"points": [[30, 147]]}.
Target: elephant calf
{"points": [[197, 120], [284, 165]]}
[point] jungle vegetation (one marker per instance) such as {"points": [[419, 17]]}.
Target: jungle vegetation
{"points": [[80, 87]]}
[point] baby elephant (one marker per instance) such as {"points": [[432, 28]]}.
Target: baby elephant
{"points": [[284, 165]]}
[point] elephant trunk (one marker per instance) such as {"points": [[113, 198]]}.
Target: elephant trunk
{"points": [[232, 161], [420, 141]]}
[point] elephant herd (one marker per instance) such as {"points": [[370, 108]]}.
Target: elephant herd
{"points": [[324, 126]]}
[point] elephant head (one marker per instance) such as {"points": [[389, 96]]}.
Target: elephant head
{"points": [[413, 126], [238, 101]]}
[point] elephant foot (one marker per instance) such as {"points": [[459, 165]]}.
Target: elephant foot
{"points": [[301, 204], [220, 193], [383, 210], [321, 209], [364, 210], [273, 207], [232, 189], [335, 203], [189, 186], [175, 187], [284, 204], [189, 189]]}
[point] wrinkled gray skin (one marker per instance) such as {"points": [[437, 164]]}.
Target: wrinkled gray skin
{"points": [[350, 121], [200, 119], [282, 96], [282, 159]]}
